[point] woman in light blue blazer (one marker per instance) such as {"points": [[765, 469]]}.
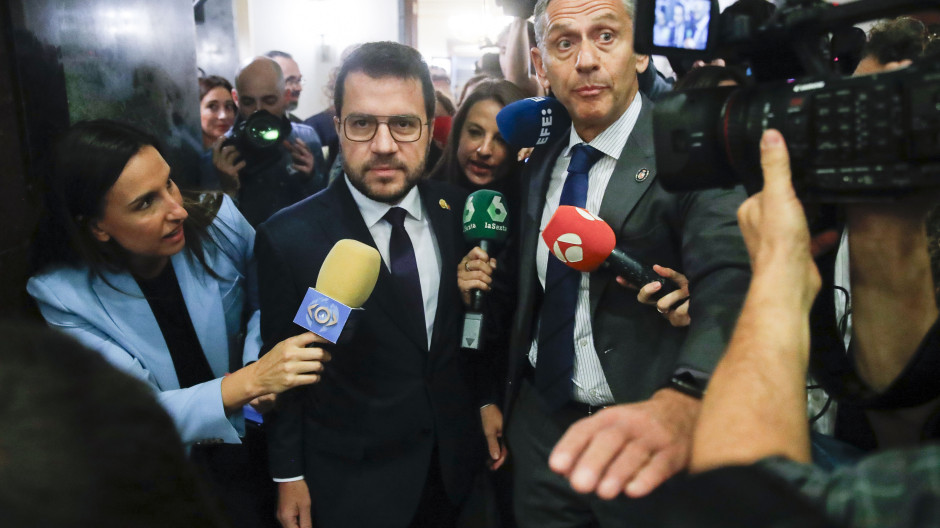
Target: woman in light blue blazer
{"points": [[161, 286]]}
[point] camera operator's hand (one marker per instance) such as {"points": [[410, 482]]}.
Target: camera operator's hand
{"points": [[303, 158], [768, 353], [225, 159], [774, 224]]}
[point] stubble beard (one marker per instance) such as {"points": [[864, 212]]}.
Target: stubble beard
{"points": [[357, 178]]}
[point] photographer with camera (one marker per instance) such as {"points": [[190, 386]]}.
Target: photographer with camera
{"points": [[266, 162], [895, 348]]}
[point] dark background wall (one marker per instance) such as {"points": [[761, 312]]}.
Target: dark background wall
{"points": [[66, 60]]}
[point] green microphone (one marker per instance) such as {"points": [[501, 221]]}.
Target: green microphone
{"points": [[484, 224]]}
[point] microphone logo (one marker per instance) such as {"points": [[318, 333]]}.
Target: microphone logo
{"points": [[567, 248], [496, 210], [544, 133], [321, 314], [468, 212]]}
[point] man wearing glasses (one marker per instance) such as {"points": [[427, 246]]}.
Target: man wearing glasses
{"points": [[293, 81], [391, 435], [265, 180]]}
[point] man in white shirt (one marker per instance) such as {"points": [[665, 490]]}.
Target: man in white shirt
{"points": [[583, 343], [391, 436]]}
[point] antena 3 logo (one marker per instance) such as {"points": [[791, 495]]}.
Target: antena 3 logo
{"points": [[567, 248]]}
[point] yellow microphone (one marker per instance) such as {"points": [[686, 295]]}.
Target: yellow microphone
{"points": [[345, 282]]}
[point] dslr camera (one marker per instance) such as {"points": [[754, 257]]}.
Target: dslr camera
{"points": [[872, 137], [257, 137]]}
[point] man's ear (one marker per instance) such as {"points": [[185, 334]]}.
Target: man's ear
{"points": [[235, 95], [642, 63], [540, 68], [97, 232], [338, 126]]}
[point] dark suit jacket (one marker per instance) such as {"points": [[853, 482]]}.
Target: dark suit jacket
{"points": [[363, 436], [695, 233]]}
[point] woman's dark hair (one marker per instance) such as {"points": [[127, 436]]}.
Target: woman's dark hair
{"points": [[468, 86], [88, 160], [206, 84], [445, 102], [709, 77], [503, 92]]}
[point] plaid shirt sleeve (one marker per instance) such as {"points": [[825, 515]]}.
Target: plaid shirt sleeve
{"points": [[894, 488]]}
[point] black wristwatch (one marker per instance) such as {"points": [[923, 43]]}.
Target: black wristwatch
{"points": [[689, 382]]}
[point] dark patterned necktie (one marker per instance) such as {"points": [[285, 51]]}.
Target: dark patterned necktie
{"points": [[555, 362], [404, 267]]}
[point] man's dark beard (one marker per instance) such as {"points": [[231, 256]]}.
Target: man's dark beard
{"points": [[411, 179]]}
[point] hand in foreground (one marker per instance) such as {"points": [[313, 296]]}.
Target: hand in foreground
{"points": [[678, 316], [293, 504], [303, 158], [492, 419], [225, 159], [290, 364], [773, 222], [474, 272], [628, 448]]}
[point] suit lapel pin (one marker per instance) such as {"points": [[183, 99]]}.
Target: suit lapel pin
{"points": [[444, 204], [642, 175]]}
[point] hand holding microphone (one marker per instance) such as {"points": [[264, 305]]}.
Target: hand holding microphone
{"points": [[346, 280], [585, 242], [485, 223]]}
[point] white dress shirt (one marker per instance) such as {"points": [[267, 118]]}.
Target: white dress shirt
{"points": [[427, 253], [590, 385]]}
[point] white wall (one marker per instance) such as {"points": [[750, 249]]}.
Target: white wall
{"points": [[315, 32]]}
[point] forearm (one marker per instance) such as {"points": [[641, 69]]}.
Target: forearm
{"points": [[755, 403], [517, 57], [240, 387]]}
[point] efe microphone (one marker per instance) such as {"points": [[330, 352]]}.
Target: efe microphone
{"points": [[484, 224], [585, 242], [345, 282], [533, 121]]}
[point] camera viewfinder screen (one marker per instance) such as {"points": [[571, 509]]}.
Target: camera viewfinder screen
{"points": [[681, 24]]}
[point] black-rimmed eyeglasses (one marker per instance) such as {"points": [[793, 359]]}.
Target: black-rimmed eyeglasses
{"points": [[362, 127]]}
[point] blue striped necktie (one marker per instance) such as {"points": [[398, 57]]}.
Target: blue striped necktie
{"points": [[555, 362]]}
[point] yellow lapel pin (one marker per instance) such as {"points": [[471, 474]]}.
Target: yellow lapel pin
{"points": [[444, 204]]}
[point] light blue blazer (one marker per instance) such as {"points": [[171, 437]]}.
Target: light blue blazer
{"points": [[116, 320]]}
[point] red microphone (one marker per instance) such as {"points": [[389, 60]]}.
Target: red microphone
{"points": [[584, 241]]}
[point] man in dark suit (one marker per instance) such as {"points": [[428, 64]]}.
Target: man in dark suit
{"points": [[391, 435], [583, 342]]}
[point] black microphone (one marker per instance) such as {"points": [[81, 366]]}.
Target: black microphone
{"points": [[585, 242], [533, 121]]}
